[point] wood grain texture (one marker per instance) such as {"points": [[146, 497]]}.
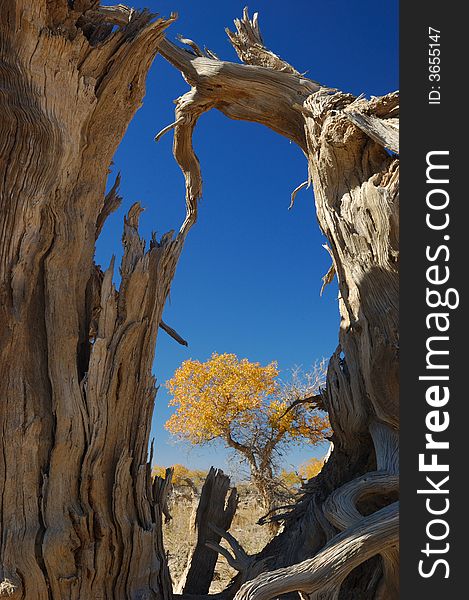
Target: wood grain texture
{"points": [[350, 144], [211, 519], [79, 517]]}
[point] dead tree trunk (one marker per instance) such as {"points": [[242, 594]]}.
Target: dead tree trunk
{"points": [[78, 515], [214, 514], [348, 519]]}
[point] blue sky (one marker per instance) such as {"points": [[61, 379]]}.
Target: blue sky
{"points": [[249, 278]]}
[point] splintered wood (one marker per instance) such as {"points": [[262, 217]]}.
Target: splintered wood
{"points": [[79, 517]]}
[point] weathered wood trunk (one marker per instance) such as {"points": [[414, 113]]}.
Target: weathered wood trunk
{"points": [[215, 511], [346, 524], [78, 515]]}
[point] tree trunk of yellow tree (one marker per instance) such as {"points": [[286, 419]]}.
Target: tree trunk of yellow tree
{"points": [[340, 540], [79, 517], [261, 475]]}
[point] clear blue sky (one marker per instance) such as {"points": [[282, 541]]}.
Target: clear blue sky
{"points": [[249, 278]]}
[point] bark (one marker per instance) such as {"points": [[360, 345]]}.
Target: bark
{"points": [[321, 577], [79, 517], [213, 516], [265, 485], [350, 144], [259, 461]]}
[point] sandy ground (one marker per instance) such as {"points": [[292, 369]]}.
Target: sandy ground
{"points": [[178, 541]]}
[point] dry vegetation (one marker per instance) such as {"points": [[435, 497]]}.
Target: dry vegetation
{"points": [[178, 537], [82, 517]]}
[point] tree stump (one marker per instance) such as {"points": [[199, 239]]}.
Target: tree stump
{"points": [[215, 510], [78, 516], [351, 145]]}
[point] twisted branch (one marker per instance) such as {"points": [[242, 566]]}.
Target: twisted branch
{"points": [[267, 90], [328, 569]]}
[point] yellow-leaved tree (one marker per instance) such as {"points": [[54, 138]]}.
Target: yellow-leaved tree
{"points": [[246, 406], [311, 468], [182, 477]]}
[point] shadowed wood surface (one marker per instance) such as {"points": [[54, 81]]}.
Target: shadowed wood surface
{"points": [[213, 516], [80, 517], [351, 145]]}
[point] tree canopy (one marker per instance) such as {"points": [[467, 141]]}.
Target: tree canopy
{"points": [[246, 406], [241, 403], [311, 468]]}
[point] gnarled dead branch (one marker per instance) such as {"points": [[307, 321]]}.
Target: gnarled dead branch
{"points": [[80, 517], [355, 178], [325, 572], [213, 517]]}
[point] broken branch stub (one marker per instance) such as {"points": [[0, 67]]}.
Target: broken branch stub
{"points": [[80, 517], [356, 191], [213, 516]]}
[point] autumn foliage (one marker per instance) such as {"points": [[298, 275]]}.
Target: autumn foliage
{"points": [[214, 397], [245, 405], [307, 470], [311, 468], [228, 398], [181, 474]]}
